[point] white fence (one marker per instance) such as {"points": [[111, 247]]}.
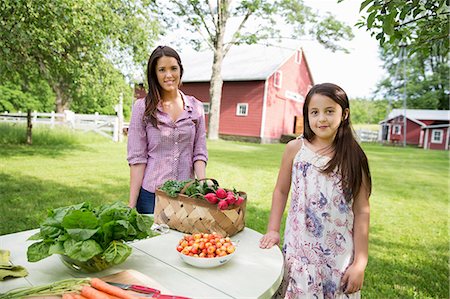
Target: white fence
{"points": [[367, 135], [106, 125]]}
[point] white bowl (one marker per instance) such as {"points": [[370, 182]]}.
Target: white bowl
{"points": [[205, 262]]}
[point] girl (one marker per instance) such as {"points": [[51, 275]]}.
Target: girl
{"points": [[326, 235], [167, 134]]}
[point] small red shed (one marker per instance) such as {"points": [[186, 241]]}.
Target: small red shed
{"points": [[425, 128], [263, 92]]}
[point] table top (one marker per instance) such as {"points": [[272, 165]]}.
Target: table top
{"points": [[252, 273]]}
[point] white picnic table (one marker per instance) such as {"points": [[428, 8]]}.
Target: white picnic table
{"points": [[251, 273]]}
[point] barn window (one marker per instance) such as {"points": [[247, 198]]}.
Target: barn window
{"points": [[298, 56], [397, 129], [277, 79], [206, 107], [242, 109], [436, 136]]}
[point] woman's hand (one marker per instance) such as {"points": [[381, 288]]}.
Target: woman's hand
{"points": [[269, 239], [353, 279]]}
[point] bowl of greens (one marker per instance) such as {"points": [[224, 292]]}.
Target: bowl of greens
{"points": [[89, 239]]}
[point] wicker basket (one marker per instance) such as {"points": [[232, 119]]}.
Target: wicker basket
{"points": [[193, 215]]}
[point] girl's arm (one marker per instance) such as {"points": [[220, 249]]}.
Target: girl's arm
{"points": [[354, 275], [280, 195], [200, 169], [136, 177]]}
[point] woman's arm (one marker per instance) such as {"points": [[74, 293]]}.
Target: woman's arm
{"points": [[200, 169], [200, 153], [280, 195], [136, 150], [136, 177], [354, 275]]}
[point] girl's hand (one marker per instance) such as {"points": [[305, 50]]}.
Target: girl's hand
{"points": [[353, 279], [269, 239]]}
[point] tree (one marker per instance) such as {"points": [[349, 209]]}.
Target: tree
{"points": [[422, 25], [426, 82], [68, 43], [414, 39], [35, 96], [258, 21], [365, 111]]}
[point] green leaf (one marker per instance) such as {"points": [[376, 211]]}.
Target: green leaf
{"points": [[122, 229], [388, 24], [81, 234], [38, 251], [50, 232], [36, 236], [80, 219], [117, 252], [405, 11], [364, 4], [82, 250], [57, 248], [144, 223], [371, 19]]}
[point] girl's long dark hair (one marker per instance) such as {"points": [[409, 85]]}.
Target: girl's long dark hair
{"points": [[348, 157], [154, 89]]}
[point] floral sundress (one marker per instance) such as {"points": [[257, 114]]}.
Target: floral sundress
{"points": [[318, 241]]}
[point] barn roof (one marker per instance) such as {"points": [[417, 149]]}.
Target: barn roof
{"points": [[242, 63], [421, 114]]}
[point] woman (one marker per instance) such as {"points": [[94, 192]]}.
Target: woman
{"points": [[166, 136]]}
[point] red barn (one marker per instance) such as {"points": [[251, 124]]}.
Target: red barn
{"points": [[425, 128], [263, 91]]}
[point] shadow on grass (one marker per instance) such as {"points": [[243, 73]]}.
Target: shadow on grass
{"points": [[46, 142], [53, 151], [25, 200]]}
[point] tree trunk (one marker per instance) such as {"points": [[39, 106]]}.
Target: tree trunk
{"points": [[61, 101], [215, 89], [215, 94], [29, 128]]}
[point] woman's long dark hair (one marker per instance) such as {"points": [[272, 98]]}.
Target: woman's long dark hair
{"points": [[348, 157], [154, 89]]}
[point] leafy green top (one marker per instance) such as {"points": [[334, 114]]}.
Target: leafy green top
{"points": [[196, 188], [82, 232]]}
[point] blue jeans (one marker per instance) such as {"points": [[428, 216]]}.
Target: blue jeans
{"points": [[146, 202]]}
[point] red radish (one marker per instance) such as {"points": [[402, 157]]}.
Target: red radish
{"points": [[240, 200], [231, 199], [211, 197], [223, 205], [221, 193]]}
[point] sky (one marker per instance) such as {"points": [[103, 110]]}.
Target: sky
{"points": [[357, 72]]}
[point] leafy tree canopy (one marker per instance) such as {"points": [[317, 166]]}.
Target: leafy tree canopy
{"points": [[66, 43], [257, 20], [365, 111], [419, 24], [414, 39], [423, 80]]}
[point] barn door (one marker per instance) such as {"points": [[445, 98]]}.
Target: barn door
{"points": [[298, 125]]}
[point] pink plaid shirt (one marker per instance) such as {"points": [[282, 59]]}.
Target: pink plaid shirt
{"points": [[171, 149]]}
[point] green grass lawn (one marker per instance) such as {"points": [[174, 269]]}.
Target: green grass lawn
{"points": [[409, 241]]}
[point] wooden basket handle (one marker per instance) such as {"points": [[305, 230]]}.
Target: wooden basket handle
{"points": [[192, 181]]}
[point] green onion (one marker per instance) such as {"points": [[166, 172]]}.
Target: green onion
{"points": [[56, 288]]}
